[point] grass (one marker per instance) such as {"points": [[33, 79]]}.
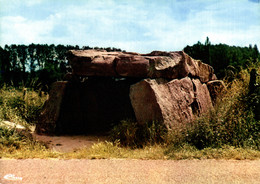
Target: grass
{"points": [[109, 150], [16, 145], [229, 131], [20, 105], [136, 135]]}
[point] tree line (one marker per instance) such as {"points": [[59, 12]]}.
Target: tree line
{"points": [[36, 65], [223, 58], [39, 65]]}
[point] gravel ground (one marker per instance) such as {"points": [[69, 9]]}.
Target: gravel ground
{"points": [[115, 171]]}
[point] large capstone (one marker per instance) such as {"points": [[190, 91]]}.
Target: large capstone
{"points": [[157, 64]]}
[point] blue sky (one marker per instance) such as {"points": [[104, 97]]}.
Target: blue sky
{"points": [[132, 25]]}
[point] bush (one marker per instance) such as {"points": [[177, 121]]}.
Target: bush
{"points": [[20, 105], [232, 122], [11, 138], [132, 134]]}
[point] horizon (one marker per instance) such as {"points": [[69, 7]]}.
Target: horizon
{"points": [[96, 47], [134, 26]]}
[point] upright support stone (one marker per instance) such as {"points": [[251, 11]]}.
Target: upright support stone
{"points": [[170, 103], [51, 111], [202, 97], [144, 101]]}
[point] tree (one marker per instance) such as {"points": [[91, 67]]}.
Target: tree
{"points": [[256, 54], [207, 52], [221, 56], [40, 63]]}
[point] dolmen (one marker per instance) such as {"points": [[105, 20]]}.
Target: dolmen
{"points": [[104, 88]]}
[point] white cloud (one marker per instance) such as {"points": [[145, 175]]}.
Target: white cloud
{"points": [[12, 5], [138, 26], [32, 2], [20, 30]]}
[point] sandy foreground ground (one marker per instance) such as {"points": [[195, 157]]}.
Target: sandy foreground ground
{"points": [[69, 143], [115, 171]]}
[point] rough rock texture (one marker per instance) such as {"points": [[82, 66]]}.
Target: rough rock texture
{"points": [[51, 111], [166, 87], [202, 97], [171, 102], [157, 64], [215, 88]]}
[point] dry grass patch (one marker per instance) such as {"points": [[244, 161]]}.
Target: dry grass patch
{"points": [[108, 150]]}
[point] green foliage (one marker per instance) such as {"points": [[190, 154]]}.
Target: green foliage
{"points": [[11, 138], [187, 151], [213, 131], [223, 57], [134, 135], [20, 105], [232, 121], [41, 63], [19, 144]]}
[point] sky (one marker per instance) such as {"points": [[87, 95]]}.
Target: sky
{"points": [[132, 25]]}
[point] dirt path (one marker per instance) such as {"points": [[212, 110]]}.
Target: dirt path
{"points": [[69, 143], [112, 171]]}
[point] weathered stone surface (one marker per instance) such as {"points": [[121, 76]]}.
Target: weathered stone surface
{"points": [[202, 97], [144, 101], [171, 102], [131, 66], [92, 63], [215, 88], [157, 64], [167, 87], [51, 111], [173, 65]]}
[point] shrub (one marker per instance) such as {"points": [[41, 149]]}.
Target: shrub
{"points": [[11, 138], [232, 122], [132, 134], [20, 105]]}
